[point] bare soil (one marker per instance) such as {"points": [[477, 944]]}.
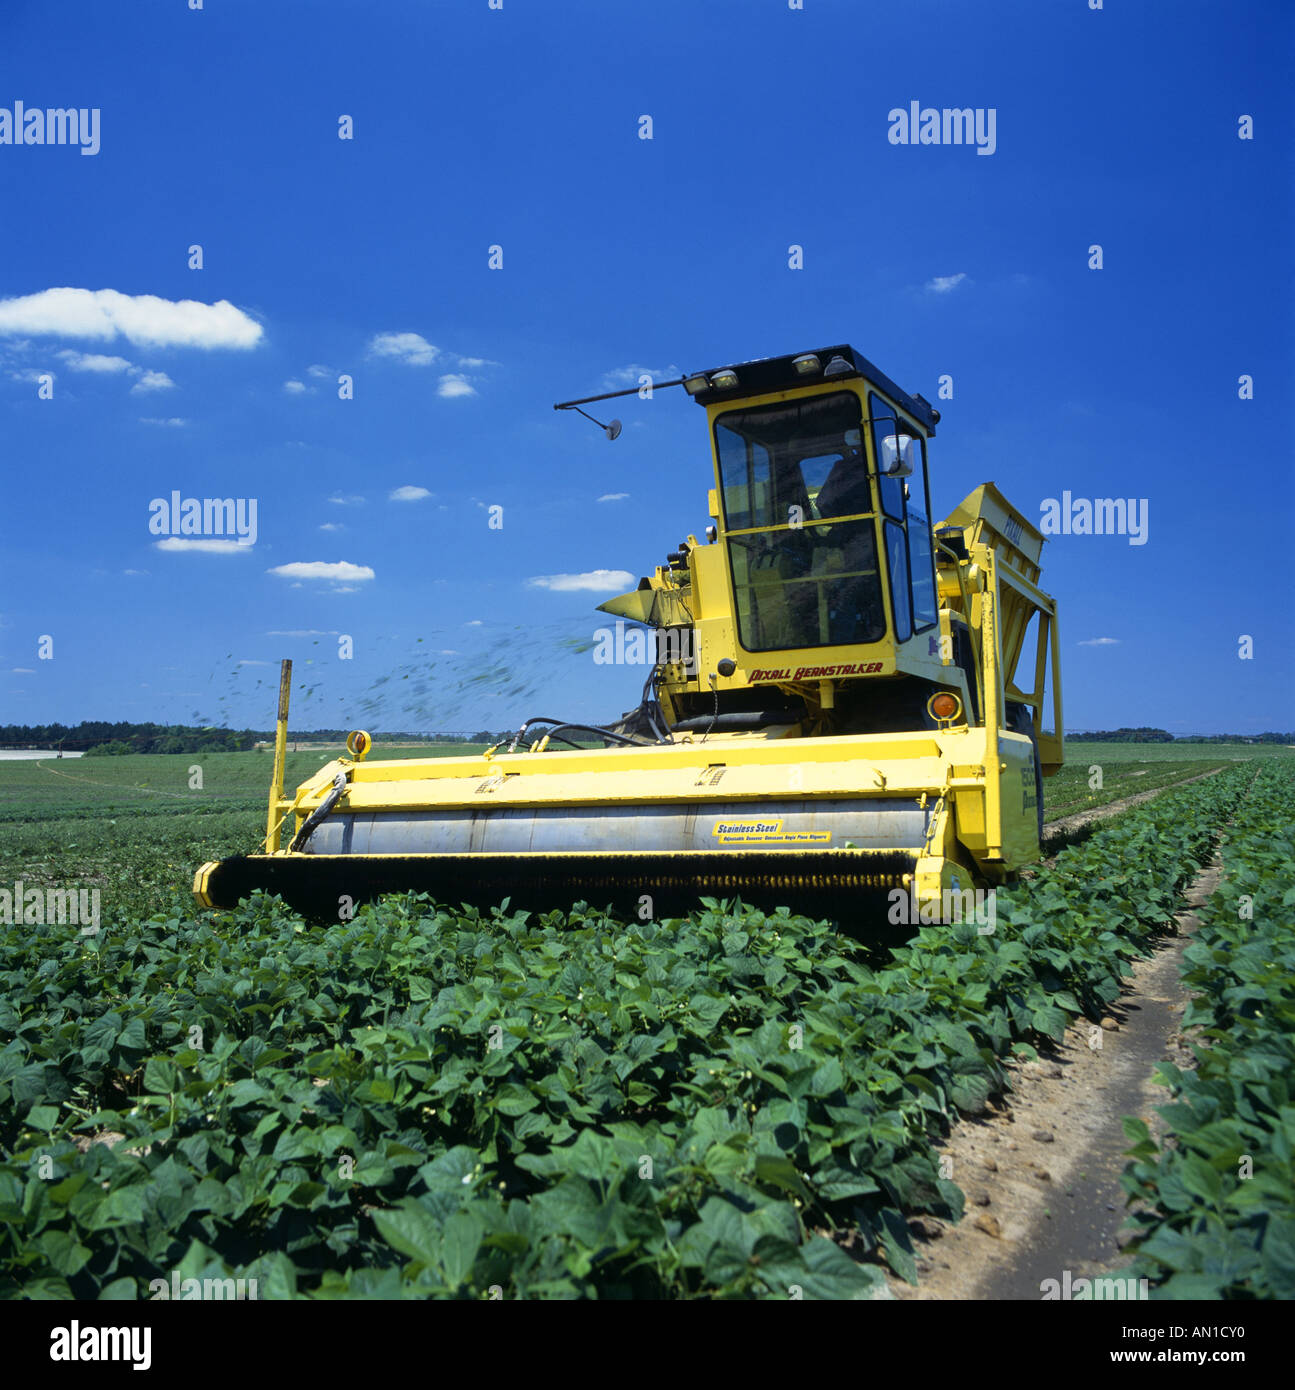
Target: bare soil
{"points": [[1041, 1171]]}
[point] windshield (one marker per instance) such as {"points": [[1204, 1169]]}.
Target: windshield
{"points": [[790, 475], [806, 455]]}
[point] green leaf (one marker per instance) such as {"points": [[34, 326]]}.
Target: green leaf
{"points": [[970, 1093], [460, 1243], [123, 1206], [781, 1172], [1278, 1257], [898, 1245], [1199, 1178], [119, 1289], [452, 1172], [64, 1252], [47, 1288], [410, 1230], [512, 1099], [244, 1092], [160, 1076], [1135, 1130], [832, 1274], [275, 1275]]}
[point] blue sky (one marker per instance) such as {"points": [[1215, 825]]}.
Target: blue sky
{"points": [[519, 128]]}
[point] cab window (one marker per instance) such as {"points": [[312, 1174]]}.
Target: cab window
{"points": [[906, 501], [799, 512]]}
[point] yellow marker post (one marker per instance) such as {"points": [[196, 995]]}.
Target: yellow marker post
{"points": [[280, 755], [992, 663]]}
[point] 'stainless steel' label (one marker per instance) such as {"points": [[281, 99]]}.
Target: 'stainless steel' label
{"points": [[764, 832]]}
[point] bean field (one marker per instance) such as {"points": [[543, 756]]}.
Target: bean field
{"points": [[434, 1100]]}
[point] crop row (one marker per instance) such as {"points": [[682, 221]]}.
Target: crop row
{"points": [[435, 1102], [1217, 1218]]}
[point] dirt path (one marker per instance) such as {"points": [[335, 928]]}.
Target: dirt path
{"points": [[1041, 1173]]}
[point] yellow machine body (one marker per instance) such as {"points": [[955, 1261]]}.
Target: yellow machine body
{"points": [[835, 709]]}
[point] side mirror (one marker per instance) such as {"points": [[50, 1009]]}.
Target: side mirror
{"points": [[898, 456]]}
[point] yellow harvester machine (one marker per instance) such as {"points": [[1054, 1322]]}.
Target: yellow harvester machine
{"points": [[836, 708]]}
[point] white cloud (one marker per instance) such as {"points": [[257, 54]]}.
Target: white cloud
{"points": [[613, 497], [205, 546], [473, 622], [630, 375], [295, 388], [31, 374], [304, 632], [340, 499], [408, 494], [100, 365], [454, 384], [97, 363], [597, 581], [22, 671], [94, 362], [143, 319], [942, 284], [138, 574], [332, 526], [317, 369], [474, 362], [1101, 642], [152, 381], [448, 651], [410, 348], [254, 663], [337, 572], [174, 422]]}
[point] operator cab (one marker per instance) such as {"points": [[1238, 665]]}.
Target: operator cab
{"points": [[824, 505]]}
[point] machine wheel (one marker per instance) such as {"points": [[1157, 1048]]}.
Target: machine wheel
{"points": [[1020, 720]]}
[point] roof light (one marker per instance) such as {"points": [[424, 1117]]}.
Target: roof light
{"points": [[838, 366], [724, 381], [693, 384], [807, 364]]}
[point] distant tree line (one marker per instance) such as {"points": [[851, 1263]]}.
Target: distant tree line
{"points": [[1145, 735], [98, 738], [1122, 736], [95, 736]]}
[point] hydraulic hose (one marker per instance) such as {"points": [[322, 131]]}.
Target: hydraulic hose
{"points": [[319, 813]]}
